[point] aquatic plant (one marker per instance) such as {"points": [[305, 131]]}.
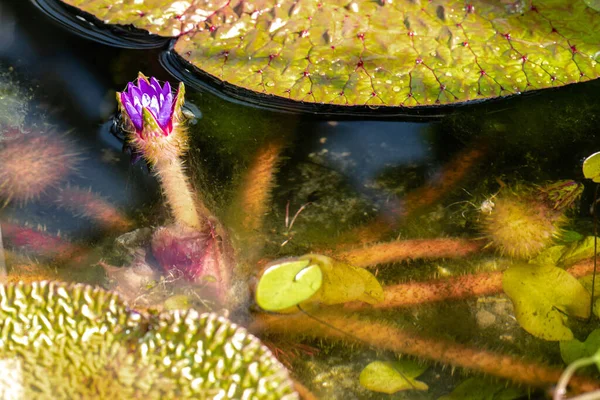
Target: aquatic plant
{"points": [[91, 345], [153, 119], [195, 251], [364, 52]]}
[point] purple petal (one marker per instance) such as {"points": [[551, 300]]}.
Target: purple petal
{"points": [[155, 85], [164, 115], [133, 114], [166, 89], [146, 88]]}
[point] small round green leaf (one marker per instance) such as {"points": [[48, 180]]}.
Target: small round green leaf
{"points": [[391, 377], [288, 283], [591, 167]]}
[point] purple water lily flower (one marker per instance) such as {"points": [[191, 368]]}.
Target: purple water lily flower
{"points": [[150, 95], [153, 119]]}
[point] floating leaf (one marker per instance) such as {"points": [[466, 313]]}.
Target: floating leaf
{"points": [[391, 377], [591, 167], [573, 350], [481, 389], [365, 52], [343, 282], [288, 283], [543, 296]]}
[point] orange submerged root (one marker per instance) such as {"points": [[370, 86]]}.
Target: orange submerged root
{"points": [[408, 250], [387, 337], [86, 204]]}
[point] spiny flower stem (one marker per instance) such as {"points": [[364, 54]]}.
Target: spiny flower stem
{"points": [[178, 192], [402, 250], [387, 337]]}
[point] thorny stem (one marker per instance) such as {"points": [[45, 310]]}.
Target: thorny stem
{"points": [[178, 192], [401, 250], [387, 337], [257, 185], [455, 288], [561, 387]]}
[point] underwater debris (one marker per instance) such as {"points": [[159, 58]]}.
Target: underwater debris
{"points": [[75, 341]]}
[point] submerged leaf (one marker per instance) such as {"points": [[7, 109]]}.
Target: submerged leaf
{"points": [[586, 281], [288, 283], [481, 389], [591, 167], [343, 282], [402, 53], [578, 251], [391, 377], [573, 350], [543, 296]]}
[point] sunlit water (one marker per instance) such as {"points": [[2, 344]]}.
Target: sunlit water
{"points": [[344, 171]]}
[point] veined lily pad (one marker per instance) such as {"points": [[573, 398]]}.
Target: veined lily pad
{"points": [[392, 377], [543, 296], [364, 52]]}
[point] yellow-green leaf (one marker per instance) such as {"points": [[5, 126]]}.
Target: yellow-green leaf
{"points": [[343, 282], [591, 167], [391, 377], [543, 296], [288, 283]]}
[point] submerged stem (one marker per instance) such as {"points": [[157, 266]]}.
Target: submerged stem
{"points": [[177, 189], [382, 335]]}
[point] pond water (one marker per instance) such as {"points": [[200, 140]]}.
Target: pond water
{"points": [[349, 181]]}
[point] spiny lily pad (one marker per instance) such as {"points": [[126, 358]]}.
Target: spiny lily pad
{"points": [[343, 282], [74, 341], [391, 377], [482, 389], [288, 283], [543, 296], [364, 52], [591, 167]]}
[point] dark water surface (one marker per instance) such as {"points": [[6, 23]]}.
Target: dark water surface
{"points": [[349, 170]]}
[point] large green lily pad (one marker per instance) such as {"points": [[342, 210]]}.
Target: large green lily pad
{"points": [[366, 52], [65, 341]]}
